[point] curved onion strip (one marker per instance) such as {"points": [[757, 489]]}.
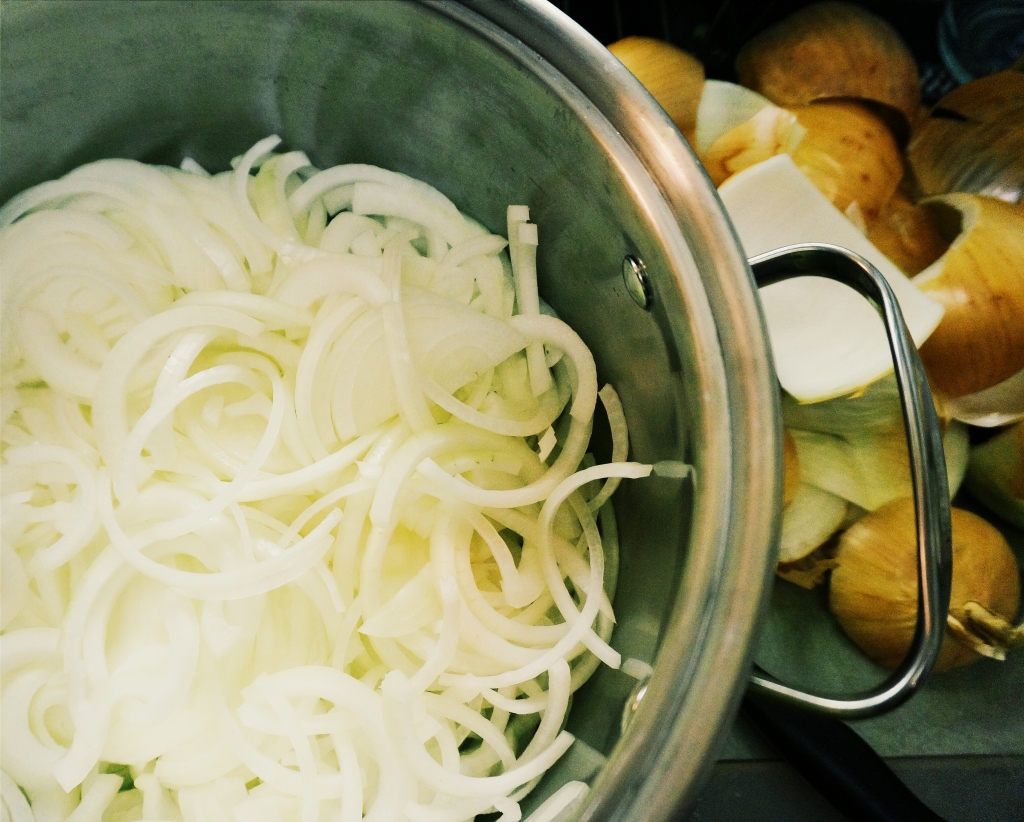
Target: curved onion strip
{"points": [[620, 442], [15, 804], [109, 414], [76, 528], [550, 406], [345, 175], [584, 618], [256, 579], [286, 247], [398, 701]]}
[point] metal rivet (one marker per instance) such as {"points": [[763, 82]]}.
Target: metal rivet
{"points": [[634, 277]]}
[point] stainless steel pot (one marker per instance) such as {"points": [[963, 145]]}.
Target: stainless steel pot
{"points": [[494, 103]]}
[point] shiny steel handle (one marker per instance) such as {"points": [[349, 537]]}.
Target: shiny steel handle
{"points": [[928, 476]]}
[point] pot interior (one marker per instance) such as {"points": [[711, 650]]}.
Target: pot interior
{"points": [[444, 95]]}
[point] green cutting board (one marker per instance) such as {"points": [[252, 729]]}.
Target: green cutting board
{"points": [[974, 710]]}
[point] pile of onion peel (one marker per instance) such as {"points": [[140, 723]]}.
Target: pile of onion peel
{"points": [[830, 50], [724, 106], [873, 590], [826, 339], [980, 340], [844, 148], [973, 139], [674, 78], [852, 458]]}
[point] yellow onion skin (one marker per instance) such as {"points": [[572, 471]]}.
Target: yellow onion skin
{"points": [[675, 78], [973, 140], [832, 49], [980, 282], [873, 591], [767, 133], [905, 232], [849, 154]]}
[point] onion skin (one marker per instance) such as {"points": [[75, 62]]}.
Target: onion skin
{"points": [[674, 78], [873, 591], [832, 49], [973, 140], [980, 281], [766, 134], [904, 232], [849, 154]]}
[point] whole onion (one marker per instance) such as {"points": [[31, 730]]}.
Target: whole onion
{"points": [[874, 588]]}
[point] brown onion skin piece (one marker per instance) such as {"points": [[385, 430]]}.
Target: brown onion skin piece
{"points": [[764, 135], [980, 340], [905, 232], [832, 49], [973, 140], [849, 154], [873, 591]]}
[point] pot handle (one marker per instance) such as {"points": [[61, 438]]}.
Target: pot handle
{"points": [[928, 476]]}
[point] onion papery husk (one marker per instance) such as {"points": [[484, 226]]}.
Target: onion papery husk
{"points": [[983, 631], [808, 521], [771, 131], [674, 78], [980, 281], [724, 106], [1002, 404], [873, 590], [905, 232], [811, 570], [973, 140], [995, 474], [827, 340], [829, 50], [849, 154], [872, 468]]}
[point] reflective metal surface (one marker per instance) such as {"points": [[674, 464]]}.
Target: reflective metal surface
{"points": [[493, 103]]}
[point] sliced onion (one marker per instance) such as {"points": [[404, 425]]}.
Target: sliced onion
{"points": [[285, 397]]}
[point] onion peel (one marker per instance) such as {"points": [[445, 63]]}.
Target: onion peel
{"points": [[873, 591], [849, 154], [828, 50], [980, 340], [973, 139]]}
